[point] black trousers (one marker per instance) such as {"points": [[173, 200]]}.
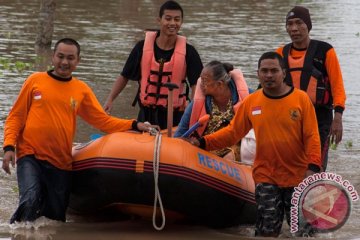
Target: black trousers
{"points": [[44, 190], [324, 117]]}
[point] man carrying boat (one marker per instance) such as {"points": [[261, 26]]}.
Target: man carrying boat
{"points": [[287, 142], [41, 127], [313, 66], [164, 56]]}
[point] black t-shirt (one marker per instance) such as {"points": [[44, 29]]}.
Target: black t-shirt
{"points": [[132, 68]]}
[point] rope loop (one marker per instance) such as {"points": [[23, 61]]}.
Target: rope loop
{"points": [[156, 164]]}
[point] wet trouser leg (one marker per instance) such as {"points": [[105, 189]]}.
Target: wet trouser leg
{"points": [[44, 190], [57, 184], [324, 117], [324, 149], [273, 203], [270, 210], [30, 190]]}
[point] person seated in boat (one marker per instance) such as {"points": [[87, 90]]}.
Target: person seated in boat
{"points": [[287, 142], [41, 127], [219, 92]]}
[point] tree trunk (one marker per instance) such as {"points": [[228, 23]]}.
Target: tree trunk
{"points": [[45, 32], [46, 24]]}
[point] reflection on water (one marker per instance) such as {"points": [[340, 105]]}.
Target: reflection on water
{"points": [[125, 230], [234, 31]]}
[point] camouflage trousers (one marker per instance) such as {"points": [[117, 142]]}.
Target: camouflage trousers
{"points": [[273, 203]]}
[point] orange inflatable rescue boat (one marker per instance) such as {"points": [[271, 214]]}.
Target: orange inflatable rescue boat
{"points": [[134, 172]]}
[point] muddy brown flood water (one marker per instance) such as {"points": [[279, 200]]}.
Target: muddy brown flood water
{"points": [[234, 31]]}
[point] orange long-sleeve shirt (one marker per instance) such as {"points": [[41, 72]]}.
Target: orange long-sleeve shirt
{"points": [[287, 137], [43, 119], [334, 73]]}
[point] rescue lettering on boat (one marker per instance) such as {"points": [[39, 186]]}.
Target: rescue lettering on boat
{"points": [[219, 166]]}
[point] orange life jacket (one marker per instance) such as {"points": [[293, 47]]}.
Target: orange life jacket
{"points": [[309, 74], [155, 74], [199, 108]]}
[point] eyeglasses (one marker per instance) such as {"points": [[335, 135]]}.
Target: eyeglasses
{"points": [[207, 81]]}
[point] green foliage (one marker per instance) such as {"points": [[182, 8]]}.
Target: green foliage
{"points": [[22, 66], [333, 146], [8, 35], [348, 144], [15, 189], [14, 66], [357, 34], [17, 66]]}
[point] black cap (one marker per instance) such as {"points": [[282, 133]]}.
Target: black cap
{"points": [[302, 13]]}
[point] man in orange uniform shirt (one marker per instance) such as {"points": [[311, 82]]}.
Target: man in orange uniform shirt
{"points": [[41, 126], [313, 66], [287, 142]]}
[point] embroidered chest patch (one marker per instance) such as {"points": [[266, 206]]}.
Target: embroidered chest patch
{"points": [[295, 114], [256, 110], [73, 103]]}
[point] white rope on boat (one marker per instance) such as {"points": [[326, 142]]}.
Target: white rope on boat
{"points": [[156, 163]]}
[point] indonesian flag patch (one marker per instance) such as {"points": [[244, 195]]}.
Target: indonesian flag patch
{"points": [[37, 95], [256, 110]]}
